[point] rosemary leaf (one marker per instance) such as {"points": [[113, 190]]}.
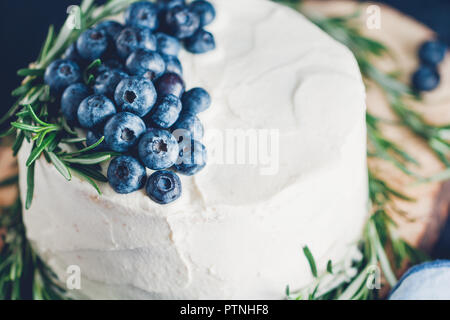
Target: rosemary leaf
{"points": [[23, 89], [60, 166], [26, 127], [30, 72], [84, 150], [90, 172], [330, 267], [48, 42], [89, 160], [89, 180], [18, 143], [35, 117], [311, 261], [30, 186], [38, 150]]}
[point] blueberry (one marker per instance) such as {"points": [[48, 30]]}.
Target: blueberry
{"points": [[145, 63], [204, 10], [158, 149], [196, 100], [170, 83], [201, 42], [188, 127], [107, 82], [192, 158], [173, 65], [95, 110], [131, 39], [142, 14], [135, 95], [181, 22], [111, 28], [126, 175], [71, 99], [164, 6], [432, 52], [164, 187], [92, 138], [123, 131], [167, 111], [60, 74], [167, 45], [426, 78], [92, 44]]}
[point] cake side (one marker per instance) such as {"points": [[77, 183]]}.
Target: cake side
{"points": [[235, 233]]}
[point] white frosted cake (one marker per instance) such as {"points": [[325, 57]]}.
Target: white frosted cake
{"points": [[238, 229]]}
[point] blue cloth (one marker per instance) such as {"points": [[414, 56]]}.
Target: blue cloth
{"points": [[428, 281]]}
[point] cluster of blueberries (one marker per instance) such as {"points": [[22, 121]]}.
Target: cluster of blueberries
{"points": [[426, 77], [138, 100]]}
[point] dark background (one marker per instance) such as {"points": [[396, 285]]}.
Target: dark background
{"points": [[24, 25]]}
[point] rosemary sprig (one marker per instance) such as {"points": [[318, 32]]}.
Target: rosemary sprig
{"points": [[23, 275]]}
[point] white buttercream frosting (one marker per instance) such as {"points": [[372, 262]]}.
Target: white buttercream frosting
{"points": [[234, 233]]}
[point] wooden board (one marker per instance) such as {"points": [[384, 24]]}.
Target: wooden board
{"points": [[403, 35]]}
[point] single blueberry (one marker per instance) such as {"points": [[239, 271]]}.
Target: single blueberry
{"points": [[158, 149], [195, 101], [173, 65], [145, 63], [60, 74], [135, 95], [188, 127], [95, 110], [126, 175], [107, 82], [192, 157], [164, 6], [142, 14], [432, 52], [167, 45], [426, 78], [166, 111], [71, 100], [111, 28], [181, 22], [170, 83], [205, 11], [133, 38], [164, 187], [92, 44], [92, 137], [201, 42], [123, 131]]}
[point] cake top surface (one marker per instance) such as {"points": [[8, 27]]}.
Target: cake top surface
{"points": [[295, 88]]}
